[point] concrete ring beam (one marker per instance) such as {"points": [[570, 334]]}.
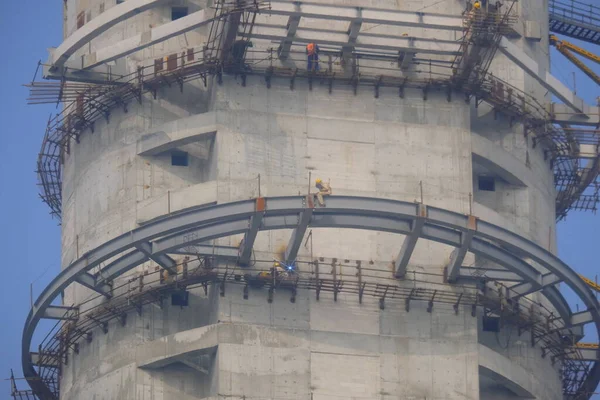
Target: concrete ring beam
{"points": [[126, 10], [99, 25], [155, 240]]}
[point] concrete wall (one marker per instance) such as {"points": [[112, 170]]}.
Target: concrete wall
{"points": [[365, 146]]}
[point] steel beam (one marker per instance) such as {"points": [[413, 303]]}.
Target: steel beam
{"points": [[368, 15], [201, 234], [516, 244], [584, 354], [575, 332], [89, 281], [506, 259], [163, 260], [525, 288], [225, 252], [94, 258], [114, 269], [563, 114], [200, 225], [546, 79], [489, 274], [71, 72], [555, 297], [407, 59], [410, 241], [249, 238], [46, 361], [99, 25], [393, 44], [146, 39], [581, 318], [292, 26], [291, 251], [353, 32], [458, 255], [228, 34], [61, 313]]}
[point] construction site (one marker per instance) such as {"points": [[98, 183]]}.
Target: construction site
{"points": [[320, 200]]}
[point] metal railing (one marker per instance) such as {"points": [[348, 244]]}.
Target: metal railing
{"points": [[577, 11]]}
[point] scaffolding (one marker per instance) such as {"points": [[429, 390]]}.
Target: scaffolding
{"points": [[19, 394], [320, 278]]}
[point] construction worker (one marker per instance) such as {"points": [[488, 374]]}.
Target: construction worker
{"points": [[312, 49], [276, 271], [473, 12], [280, 272], [324, 190], [264, 274]]}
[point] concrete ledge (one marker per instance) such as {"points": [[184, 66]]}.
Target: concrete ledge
{"points": [[205, 340], [546, 79], [590, 116], [169, 349], [98, 25], [176, 200], [506, 373], [502, 162], [147, 39], [178, 133]]}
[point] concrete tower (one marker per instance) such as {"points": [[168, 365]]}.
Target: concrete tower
{"points": [[184, 164]]}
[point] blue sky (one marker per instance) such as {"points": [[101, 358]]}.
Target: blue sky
{"points": [[30, 239]]}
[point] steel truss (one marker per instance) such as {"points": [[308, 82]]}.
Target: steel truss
{"points": [[575, 19], [187, 231]]}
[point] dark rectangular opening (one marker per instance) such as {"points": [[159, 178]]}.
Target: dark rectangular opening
{"points": [[491, 324], [120, 1], [158, 65], [487, 183], [172, 62], [80, 19], [180, 298], [179, 158], [178, 12]]}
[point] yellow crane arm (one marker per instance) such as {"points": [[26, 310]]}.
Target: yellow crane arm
{"points": [[591, 346], [570, 46], [565, 49], [595, 286]]}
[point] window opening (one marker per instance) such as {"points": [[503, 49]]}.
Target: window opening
{"points": [[178, 12], [179, 158], [491, 324], [487, 183]]}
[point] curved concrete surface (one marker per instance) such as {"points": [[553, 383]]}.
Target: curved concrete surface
{"points": [[99, 25], [504, 372]]}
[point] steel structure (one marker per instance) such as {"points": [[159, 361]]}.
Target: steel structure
{"points": [[576, 19], [178, 233], [565, 49], [250, 39]]}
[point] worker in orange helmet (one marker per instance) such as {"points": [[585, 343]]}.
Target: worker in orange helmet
{"points": [[312, 49]]}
